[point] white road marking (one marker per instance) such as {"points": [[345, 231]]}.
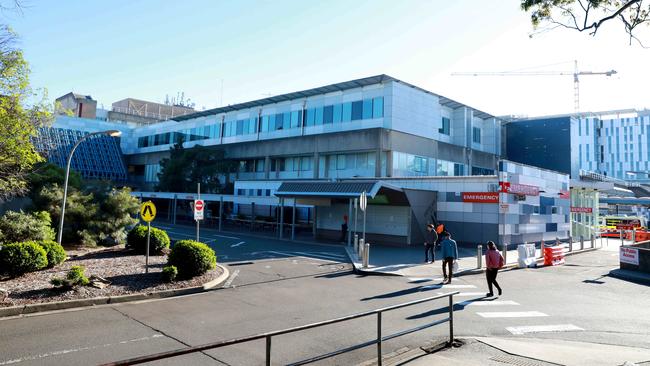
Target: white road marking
{"points": [[447, 286], [466, 294], [194, 235], [310, 256], [512, 314], [231, 278], [238, 244], [543, 328], [487, 303], [65, 351], [417, 279]]}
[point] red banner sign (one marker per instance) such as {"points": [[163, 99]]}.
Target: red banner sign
{"points": [[581, 209], [481, 197], [514, 188]]}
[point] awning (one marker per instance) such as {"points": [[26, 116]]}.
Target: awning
{"points": [[349, 189]]}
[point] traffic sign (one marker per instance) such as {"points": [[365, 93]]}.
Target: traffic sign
{"points": [[198, 209], [148, 211], [363, 201]]}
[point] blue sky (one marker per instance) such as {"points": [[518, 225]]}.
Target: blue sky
{"points": [[147, 49]]}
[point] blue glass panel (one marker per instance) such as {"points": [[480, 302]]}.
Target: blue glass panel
{"points": [[286, 120], [357, 110], [318, 120], [347, 112], [311, 114], [265, 123], [378, 107], [328, 114], [337, 113], [295, 120], [278, 121], [367, 109]]}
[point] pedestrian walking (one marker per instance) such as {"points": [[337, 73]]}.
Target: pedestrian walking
{"points": [[493, 261], [344, 229], [449, 255], [430, 239]]}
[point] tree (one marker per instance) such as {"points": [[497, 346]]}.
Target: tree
{"points": [[19, 122], [186, 167], [46, 173], [117, 212], [589, 15]]}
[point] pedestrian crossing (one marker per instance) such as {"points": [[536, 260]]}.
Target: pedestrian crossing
{"points": [[506, 310]]}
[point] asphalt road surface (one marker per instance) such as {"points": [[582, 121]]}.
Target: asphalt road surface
{"points": [[275, 285]]}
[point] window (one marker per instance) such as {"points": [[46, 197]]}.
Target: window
{"points": [[265, 123], [259, 165], [279, 118], [357, 110], [328, 114], [305, 163], [340, 162], [476, 135], [445, 129], [367, 109], [378, 107]]}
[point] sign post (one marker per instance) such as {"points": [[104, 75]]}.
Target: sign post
{"points": [[148, 213], [198, 210], [363, 204]]}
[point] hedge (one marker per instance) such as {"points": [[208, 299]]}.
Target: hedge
{"points": [[137, 240], [55, 252], [19, 258], [192, 258]]}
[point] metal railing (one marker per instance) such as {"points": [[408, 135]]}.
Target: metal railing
{"points": [[268, 336]]}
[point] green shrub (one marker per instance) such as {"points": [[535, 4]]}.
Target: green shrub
{"points": [[192, 258], [169, 273], [75, 277], [55, 252], [137, 240], [17, 226], [19, 258]]}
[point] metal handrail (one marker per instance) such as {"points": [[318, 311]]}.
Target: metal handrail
{"points": [[268, 335]]}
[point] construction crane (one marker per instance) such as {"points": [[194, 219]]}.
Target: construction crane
{"points": [[576, 73]]}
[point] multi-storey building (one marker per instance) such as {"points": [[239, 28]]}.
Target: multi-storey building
{"points": [[418, 154]]}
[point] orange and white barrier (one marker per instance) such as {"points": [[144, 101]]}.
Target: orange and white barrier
{"points": [[554, 255]]}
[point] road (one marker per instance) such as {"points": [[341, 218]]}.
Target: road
{"points": [[275, 285]]}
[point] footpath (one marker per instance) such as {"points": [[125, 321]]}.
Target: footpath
{"points": [[507, 351], [409, 262]]}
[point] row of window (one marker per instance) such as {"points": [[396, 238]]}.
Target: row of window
{"points": [[331, 114], [445, 129]]}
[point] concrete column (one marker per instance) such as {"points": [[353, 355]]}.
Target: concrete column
{"points": [[252, 215], [175, 204], [281, 217], [316, 165], [220, 212], [293, 221], [349, 216], [327, 166], [267, 167]]}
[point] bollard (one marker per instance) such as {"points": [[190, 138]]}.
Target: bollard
{"points": [[479, 257], [356, 243], [505, 253], [633, 235], [360, 252], [570, 243], [366, 255], [622, 236], [582, 242], [593, 241]]}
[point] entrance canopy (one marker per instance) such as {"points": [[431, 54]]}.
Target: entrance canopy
{"points": [[350, 189]]}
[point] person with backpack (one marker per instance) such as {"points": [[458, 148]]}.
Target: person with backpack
{"points": [[493, 261], [430, 239], [449, 256]]}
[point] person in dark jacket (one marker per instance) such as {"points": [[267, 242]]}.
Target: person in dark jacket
{"points": [[430, 239], [344, 229], [449, 255]]}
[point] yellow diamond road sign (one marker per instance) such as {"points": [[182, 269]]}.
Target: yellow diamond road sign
{"points": [[148, 211]]}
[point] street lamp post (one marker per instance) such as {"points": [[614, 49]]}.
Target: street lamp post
{"points": [[112, 133]]}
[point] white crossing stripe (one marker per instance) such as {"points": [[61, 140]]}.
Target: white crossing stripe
{"points": [[466, 294], [512, 314], [543, 328], [447, 286], [417, 279], [487, 303], [230, 279]]}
